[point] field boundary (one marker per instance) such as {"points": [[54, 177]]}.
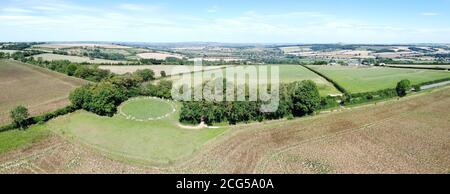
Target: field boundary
{"points": [[412, 67], [335, 84]]}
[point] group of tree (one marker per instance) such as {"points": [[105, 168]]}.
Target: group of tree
{"points": [[99, 54], [295, 99], [104, 97], [18, 45]]}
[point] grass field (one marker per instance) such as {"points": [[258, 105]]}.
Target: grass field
{"points": [[406, 136], [10, 140], [288, 74], [158, 142], [144, 108], [75, 59], [40, 90], [356, 79]]}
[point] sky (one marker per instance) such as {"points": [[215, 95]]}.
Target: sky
{"points": [[228, 21]]}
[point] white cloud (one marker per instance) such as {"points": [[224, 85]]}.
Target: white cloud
{"points": [[429, 14], [213, 9]]}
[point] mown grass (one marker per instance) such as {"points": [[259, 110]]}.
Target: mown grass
{"points": [[16, 139], [357, 80], [144, 108]]}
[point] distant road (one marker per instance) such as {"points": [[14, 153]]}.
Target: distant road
{"points": [[434, 85]]}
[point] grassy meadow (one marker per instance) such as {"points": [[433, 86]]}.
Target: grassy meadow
{"points": [[357, 79]]}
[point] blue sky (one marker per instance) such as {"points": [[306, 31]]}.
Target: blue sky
{"points": [[239, 21]]}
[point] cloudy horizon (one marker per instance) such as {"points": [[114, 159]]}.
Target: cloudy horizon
{"points": [[267, 21]]}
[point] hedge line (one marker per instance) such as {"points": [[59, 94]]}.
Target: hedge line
{"points": [[358, 98], [41, 118], [410, 67], [335, 84], [433, 82]]}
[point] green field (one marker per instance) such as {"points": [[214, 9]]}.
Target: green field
{"points": [[288, 74], [357, 79], [144, 108], [15, 139], [157, 142]]}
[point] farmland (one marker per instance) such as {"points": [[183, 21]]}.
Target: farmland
{"points": [[72, 45], [157, 141], [39, 89], [158, 56], [75, 59], [357, 79], [169, 69], [288, 74], [406, 136]]}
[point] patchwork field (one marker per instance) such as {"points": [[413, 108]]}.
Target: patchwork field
{"points": [[75, 59], [40, 90], [72, 45], [358, 79], [288, 74], [406, 136], [169, 69]]}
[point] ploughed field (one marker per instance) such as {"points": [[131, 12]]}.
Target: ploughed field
{"points": [[366, 79], [409, 135], [40, 90]]}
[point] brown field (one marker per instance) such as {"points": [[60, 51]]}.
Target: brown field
{"points": [[158, 56], [38, 89], [169, 69], [410, 135]]}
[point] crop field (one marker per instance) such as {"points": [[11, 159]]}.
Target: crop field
{"points": [[158, 56], [8, 51], [169, 69], [38, 89], [288, 74], [357, 79], [75, 59], [406, 136]]}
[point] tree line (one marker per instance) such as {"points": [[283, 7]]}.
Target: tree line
{"points": [[296, 99]]}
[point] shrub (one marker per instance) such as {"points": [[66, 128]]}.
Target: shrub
{"points": [[145, 74], [403, 87], [20, 115], [305, 98]]}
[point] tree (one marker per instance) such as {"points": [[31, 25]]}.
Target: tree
{"points": [[81, 97], [71, 69], [305, 98], [403, 87], [145, 74], [163, 74], [19, 115]]}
